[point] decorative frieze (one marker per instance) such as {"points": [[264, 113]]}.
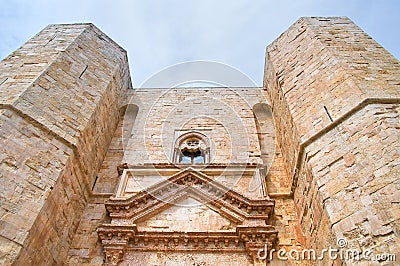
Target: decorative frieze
{"points": [[196, 184], [116, 240], [250, 217]]}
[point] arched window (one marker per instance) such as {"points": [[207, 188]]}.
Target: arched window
{"points": [[192, 148]]}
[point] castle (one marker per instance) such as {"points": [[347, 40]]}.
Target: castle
{"points": [[96, 172]]}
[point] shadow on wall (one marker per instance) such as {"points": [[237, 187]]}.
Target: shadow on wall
{"points": [[129, 118], [265, 131]]}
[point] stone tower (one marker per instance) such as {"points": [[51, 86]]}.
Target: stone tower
{"points": [[95, 172]]}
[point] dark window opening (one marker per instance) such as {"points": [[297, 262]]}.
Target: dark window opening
{"points": [[192, 148], [190, 157]]}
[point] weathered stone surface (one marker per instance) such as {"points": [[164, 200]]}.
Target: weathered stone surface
{"points": [[335, 96], [60, 97], [163, 113], [90, 171]]}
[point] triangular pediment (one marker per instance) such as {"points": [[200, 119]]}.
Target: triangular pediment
{"points": [[195, 184], [187, 214]]}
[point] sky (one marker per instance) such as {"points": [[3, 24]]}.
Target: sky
{"points": [[158, 34]]}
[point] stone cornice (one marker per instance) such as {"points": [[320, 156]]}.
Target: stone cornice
{"points": [[116, 240], [251, 234], [185, 183]]}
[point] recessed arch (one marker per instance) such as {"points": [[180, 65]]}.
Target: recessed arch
{"points": [[130, 114], [266, 131]]}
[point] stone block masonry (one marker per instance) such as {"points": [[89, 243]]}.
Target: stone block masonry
{"points": [[69, 157], [60, 96], [164, 112], [335, 96], [226, 116]]}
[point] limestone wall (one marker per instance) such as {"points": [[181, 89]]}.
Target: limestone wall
{"points": [[334, 94], [354, 170], [218, 112], [222, 114], [60, 96], [335, 99]]}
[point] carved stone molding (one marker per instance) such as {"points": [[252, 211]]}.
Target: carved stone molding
{"points": [[117, 239], [114, 255], [121, 167], [251, 216], [194, 183]]}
